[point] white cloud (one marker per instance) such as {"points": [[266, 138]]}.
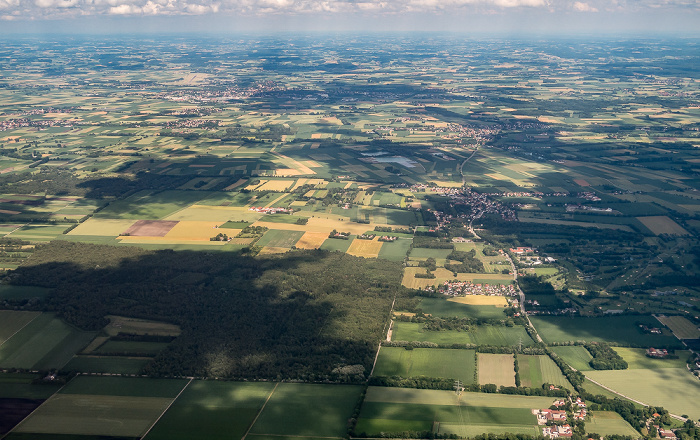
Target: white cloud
{"points": [[584, 7]]}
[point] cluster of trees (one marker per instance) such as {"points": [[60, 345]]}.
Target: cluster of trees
{"points": [[301, 315], [605, 358], [468, 262]]}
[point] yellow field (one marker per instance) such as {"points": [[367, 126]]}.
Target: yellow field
{"points": [[140, 327], [106, 227], [326, 225], [365, 248], [496, 368], [275, 185], [311, 240], [197, 231], [253, 186], [481, 300], [660, 224], [219, 214], [442, 275], [446, 184], [273, 250]]}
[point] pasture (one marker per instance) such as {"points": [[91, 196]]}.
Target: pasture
{"points": [[443, 307], [496, 368], [277, 238], [212, 410], [540, 369], [480, 335], [312, 410], [636, 358], [609, 423], [680, 388], [661, 224], [430, 362], [403, 409], [613, 329], [680, 326], [365, 248], [575, 355], [13, 321], [150, 205], [396, 250]]}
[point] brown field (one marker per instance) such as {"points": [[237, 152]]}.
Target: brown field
{"points": [[273, 250], [137, 326], [681, 327], [150, 228], [481, 300], [311, 240], [235, 185], [365, 248], [496, 368], [197, 231], [660, 224], [581, 182], [244, 241]]}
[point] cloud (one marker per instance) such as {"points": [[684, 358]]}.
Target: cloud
{"points": [[584, 7]]}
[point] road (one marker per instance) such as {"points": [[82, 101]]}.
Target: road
{"points": [[521, 295]]}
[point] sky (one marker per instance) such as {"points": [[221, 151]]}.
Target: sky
{"points": [[592, 17]]}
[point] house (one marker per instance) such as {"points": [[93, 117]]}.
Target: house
{"points": [[558, 403], [580, 415], [549, 415], [580, 403], [657, 353], [557, 431], [666, 433]]}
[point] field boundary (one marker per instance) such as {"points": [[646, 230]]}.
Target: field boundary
{"points": [[262, 408], [19, 329], [167, 408]]}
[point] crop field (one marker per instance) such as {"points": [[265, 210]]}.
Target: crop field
{"points": [[496, 368], [680, 388], [107, 364], [150, 228], [680, 326], [45, 342], [193, 231], [277, 238], [480, 300], [662, 225], [609, 423], [614, 329], [20, 386], [443, 307], [402, 409], [442, 275], [307, 410], [430, 362], [102, 226], [365, 248], [137, 326], [540, 369], [636, 358], [396, 250], [311, 240], [130, 348], [481, 335], [212, 410], [575, 355], [13, 321], [335, 244], [148, 205]]}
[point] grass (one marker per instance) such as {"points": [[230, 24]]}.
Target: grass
{"points": [[596, 389], [496, 368], [45, 342], [431, 362], [673, 388], [12, 321], [148, 205], [608, 423], [212, 410], [540, 369], [308, 410], [613, 329], [20, 386], [442, 275], [575, 355], [131, 348], [280, 238], [396, 250], [680, 326], [443, 308], [334, 244], [122, 324], [636, 359], [107, 364], [482, 335]]}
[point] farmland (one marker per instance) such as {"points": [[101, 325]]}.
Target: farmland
{"points": [[481, 335], [448, 364], [610, 423], [445, 308], [538, 370], [496, 369]]}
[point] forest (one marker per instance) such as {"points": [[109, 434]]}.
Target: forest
{"points": [[303, 315]]}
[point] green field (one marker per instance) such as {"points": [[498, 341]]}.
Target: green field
{"points": [[308, 410], [335, 244], [402, 409], [45, 342], [575, 355], [613, 329], [107, 364], [280, 238], [673, 388], [394, 251], [12, 321], [124, 386], [541, 369], [212, 410], [636, 358], [443, 308], [482, 335], [149, 205], [609, 423], [20, 386], [131, 348], [431, 362]]}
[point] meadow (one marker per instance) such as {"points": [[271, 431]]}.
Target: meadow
{"points": [[430, 362], [680, 326], [536, 370], [497, 369], [609, 423], [442, 307], [575, 355], [637, 359], [481, 335]]}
